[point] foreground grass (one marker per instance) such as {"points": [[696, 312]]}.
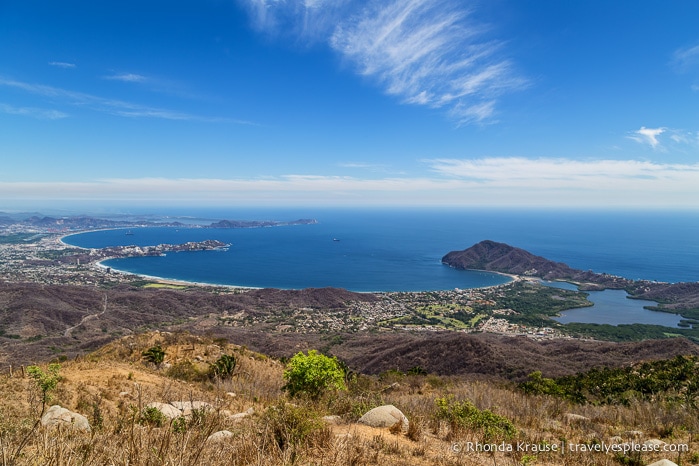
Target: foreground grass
{"points": [[448, 417]]}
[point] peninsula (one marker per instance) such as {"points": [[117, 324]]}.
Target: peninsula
{"points": [[681, 298]]}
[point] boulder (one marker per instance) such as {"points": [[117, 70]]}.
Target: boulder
{"points": [[663, 463], [59, 416], [384, 416], [188, 406], [168, 410], [240, 416], [219, 436]]}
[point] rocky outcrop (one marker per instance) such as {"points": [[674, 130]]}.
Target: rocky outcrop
{"points": [[384, 416], [168, 410], [59, 416]]}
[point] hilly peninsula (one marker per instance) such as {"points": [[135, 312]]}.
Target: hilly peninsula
{"points": [[682, 298]]}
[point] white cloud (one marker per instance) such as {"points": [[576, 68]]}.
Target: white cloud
{"points": [[310, 21], [648, 136], [62, 64], [424, 52], [428, 52], [111, 106], [39, 113], [454, 182], [127, 77], [686, 57], [552, 172]]}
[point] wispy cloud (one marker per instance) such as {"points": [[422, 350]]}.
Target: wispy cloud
{"points": [[455, 182], [648, 136], [308, 21], [40, 113], [62, 64], [127, 77], [686, 57], [424, 52], [111, 106], [553, 172]]}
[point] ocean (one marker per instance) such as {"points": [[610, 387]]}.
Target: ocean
{"points": [[401, 250]]}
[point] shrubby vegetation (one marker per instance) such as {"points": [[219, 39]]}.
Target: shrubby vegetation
{"points": [[673, 380], [154, 354], [463, 415], [313, 374], [628, 332], [443, 411]]}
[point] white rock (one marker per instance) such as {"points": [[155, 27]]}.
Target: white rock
{"points": [[59, 416], [188, 406], [220, 436], [384, 416], [167, 409], [663, 463]]}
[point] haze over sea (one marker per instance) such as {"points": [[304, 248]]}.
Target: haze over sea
{"points": [[400, 250]]}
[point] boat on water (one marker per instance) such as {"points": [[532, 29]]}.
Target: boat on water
{"points": [[129, 233]]}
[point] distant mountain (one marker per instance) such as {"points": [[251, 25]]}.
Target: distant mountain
{"points": [[260, 223], [501, 257], [84, 222]]}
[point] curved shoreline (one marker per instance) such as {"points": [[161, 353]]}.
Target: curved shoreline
{"points": [[175, 281], [171, 281]]}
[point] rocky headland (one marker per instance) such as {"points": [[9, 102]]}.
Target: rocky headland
{"points": [[500, 257]]}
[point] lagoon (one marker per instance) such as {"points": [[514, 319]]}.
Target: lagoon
{"points": [[613, 307]]}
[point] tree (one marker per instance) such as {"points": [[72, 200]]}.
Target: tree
{"points": [[154, 354], [46, 381], [223, 367], [313, 374]]}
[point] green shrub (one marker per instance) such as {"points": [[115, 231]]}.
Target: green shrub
{"points": [[313, 374], [152, 416], [154, 354], [223, 367], [45, 381], [464, 415]]}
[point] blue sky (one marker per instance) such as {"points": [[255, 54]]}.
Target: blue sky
{"points": [[350, 103]]}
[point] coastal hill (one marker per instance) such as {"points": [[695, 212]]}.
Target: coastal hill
{"points": [[260, 223], [42, 322], [500, 257]]}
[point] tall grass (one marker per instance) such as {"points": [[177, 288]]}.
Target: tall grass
{"points": [[113, 392]]}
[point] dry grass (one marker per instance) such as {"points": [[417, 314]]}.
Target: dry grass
{"points": [[112, 386]]}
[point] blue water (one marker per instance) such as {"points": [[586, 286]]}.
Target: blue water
{"points": [[613, 307], [400, 250]]}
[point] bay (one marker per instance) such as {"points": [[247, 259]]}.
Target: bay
{"points": [[400, 250]]}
